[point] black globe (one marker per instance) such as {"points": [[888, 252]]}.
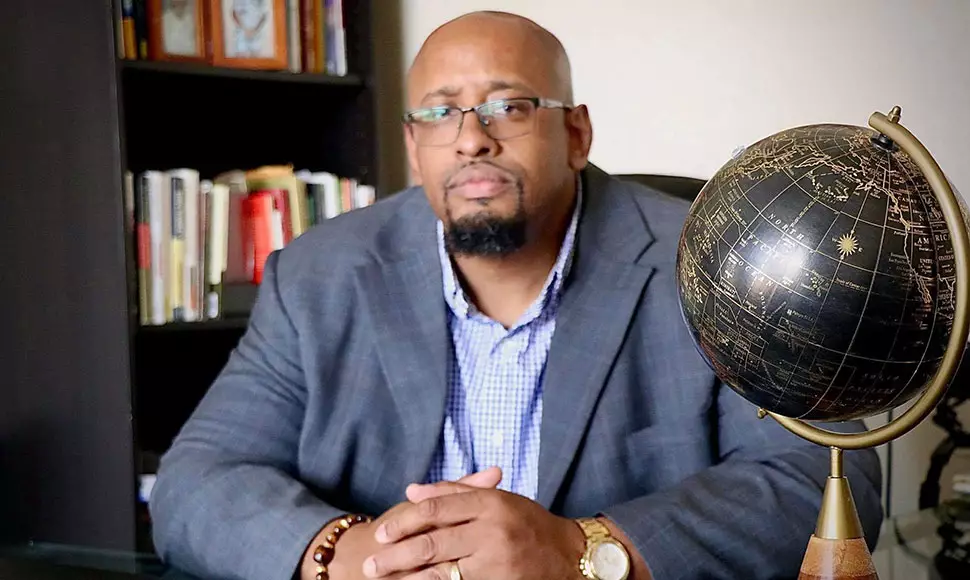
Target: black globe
{"points": [[816, 274]]}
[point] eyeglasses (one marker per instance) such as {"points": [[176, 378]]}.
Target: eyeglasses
{"points": [[500, 119]]}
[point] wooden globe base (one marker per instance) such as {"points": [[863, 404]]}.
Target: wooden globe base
{"points": [[837, 560]]}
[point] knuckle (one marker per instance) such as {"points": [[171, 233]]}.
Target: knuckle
{"points": [[430, 508], [427, 548], [436, 573]]}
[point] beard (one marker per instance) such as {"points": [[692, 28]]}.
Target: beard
{"points": [[485, 233]]}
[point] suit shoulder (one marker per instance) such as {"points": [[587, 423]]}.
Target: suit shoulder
{"points": [[354, 236]]}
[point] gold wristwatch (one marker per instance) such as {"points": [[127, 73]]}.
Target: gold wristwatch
{"points": [[605, 558]]}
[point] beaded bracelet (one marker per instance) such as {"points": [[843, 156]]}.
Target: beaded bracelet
{"points": [[323, 553]]}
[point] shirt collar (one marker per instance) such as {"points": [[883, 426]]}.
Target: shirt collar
{"points": [[548, 298]]}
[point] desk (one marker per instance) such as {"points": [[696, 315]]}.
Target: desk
{"points": [[60, 562], [906, 549]]}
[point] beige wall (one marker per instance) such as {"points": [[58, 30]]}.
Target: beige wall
{"points": [[674, 86]]}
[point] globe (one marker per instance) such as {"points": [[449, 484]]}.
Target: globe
{"points": [[817, 276]]}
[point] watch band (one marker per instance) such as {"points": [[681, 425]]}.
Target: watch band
{"points": [[593, 529], [595, 532]]}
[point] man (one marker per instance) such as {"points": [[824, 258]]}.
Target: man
{"points": [[506, 336]]}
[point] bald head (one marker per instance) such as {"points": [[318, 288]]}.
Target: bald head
{"points": [[503, 177], [494, 40]]}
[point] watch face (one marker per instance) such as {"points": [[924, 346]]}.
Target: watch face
{"points": [[610, 561]]}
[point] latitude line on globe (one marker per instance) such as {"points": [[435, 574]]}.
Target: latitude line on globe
{"points": [[710, 280]]}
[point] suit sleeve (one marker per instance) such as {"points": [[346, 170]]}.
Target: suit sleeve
{"points": [[227, 503], [751, 515]]}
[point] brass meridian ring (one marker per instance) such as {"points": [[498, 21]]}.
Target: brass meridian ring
{"points": [[923, 406]]}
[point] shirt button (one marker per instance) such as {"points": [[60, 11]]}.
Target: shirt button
{"points": [[498, 439]]}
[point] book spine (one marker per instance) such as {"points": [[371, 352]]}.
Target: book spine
{"points": [[143, 236], [141, 29], [176, 265], [153, 183], [128, 29], [308, 37], [294, 33]]}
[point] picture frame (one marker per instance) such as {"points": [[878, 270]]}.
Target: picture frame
{"points": [[248, 34], [178, 30]]}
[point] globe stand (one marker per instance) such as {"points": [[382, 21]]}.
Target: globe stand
{"points": [[837, 549]]}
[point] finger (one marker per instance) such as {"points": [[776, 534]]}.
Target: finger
{"points": [[442, 571], [418, 493], [434, 512], [486, 479], [422, 551]]}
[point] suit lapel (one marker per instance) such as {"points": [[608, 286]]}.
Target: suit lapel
{"points": [[606, 283], [403, 296]]}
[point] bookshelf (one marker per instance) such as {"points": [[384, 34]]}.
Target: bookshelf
{"points": [[92, 395]]}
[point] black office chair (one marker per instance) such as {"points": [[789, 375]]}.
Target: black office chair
{"points": [[676, 185]]}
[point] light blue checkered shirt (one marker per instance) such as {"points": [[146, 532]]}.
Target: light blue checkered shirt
{"points": [[494, 407]]}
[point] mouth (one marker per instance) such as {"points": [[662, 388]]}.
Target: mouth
{"points": [[479, 184], [481, 189]]}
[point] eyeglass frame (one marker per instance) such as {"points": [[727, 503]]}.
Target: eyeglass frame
{"points": [[537, 102]]}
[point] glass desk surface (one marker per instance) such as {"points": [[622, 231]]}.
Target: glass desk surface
{"points": [[907, 547]]}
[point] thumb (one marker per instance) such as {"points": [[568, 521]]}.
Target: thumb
{"points": [[486, 479]]}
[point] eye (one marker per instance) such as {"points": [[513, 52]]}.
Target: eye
{"points": [[510, 109], [431, 115]]}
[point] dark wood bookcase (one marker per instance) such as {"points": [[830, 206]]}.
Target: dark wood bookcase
{"points": [[87, 395]]}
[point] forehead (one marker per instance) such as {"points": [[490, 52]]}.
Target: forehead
{"points": [[471, 61]]}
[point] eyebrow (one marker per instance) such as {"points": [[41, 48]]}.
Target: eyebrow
{"points": [[493, 86]]}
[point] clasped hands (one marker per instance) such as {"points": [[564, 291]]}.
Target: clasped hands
{"points": [[488, 532]]}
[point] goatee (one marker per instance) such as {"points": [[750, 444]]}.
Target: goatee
{"points": [[486, 235]]}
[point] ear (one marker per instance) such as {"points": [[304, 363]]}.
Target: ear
{"points": [[580, 136], [413, 164]]}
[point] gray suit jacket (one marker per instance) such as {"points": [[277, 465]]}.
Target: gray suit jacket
{"points": [[334, 402]]}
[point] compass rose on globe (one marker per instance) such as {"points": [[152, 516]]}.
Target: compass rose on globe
{"points": [[823, 274]]}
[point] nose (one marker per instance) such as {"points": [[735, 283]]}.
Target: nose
{"points": [[472, 140]]}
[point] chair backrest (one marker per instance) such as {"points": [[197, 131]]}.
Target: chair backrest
{"points": [[676, 185]]}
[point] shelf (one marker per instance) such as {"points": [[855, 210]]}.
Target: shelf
{"points": [[205, 70], [232, 323]]}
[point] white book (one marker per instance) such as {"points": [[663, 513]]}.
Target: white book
{"points": [[191, 275], [159, 226]]}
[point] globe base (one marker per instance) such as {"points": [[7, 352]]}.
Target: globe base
{"points": [[837, 560], [837, 550]]}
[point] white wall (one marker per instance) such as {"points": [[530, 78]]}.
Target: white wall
{"points": [[675, 86]]}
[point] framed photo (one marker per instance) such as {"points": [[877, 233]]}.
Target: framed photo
{"points": [[248, 33], [178, 30]]}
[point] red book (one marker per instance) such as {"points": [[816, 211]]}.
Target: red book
{"points": [[281, 204], [258, 232]]}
